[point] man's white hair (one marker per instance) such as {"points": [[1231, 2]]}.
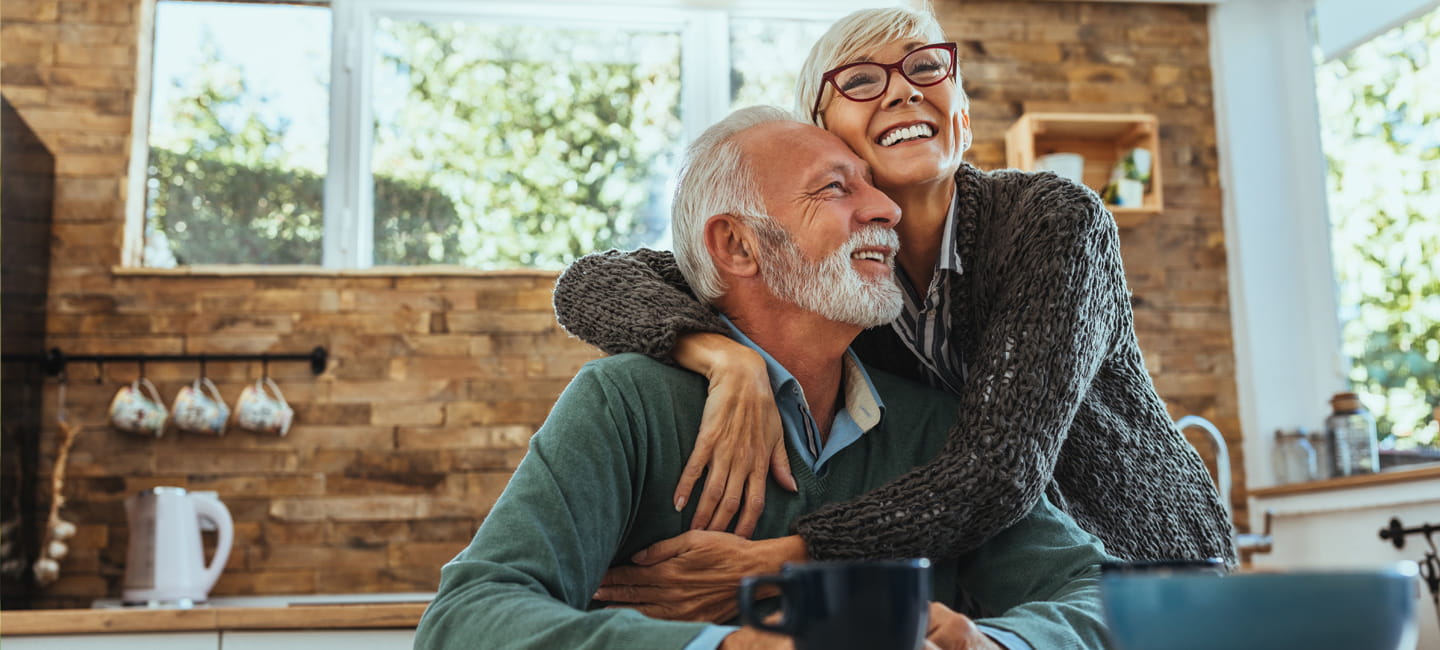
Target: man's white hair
{"points": [[716, 179], [855, 37]]}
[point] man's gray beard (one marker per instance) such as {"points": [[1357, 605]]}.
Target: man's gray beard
{"points": [[831, 288]]}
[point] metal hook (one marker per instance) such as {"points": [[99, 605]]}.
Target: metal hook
{"points": [[142, 367], [264, 366], [99, 369], [202, 366]]}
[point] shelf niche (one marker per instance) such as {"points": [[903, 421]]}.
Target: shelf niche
{"points": [[1102, 138]]}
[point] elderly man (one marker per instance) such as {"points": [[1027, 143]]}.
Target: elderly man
{"points": [[777, 225]]}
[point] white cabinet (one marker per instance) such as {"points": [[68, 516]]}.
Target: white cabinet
{"points": [[1340, 528], [137, 641], [318, 640]]}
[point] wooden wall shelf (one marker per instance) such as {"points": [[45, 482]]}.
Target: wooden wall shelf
{"points": [[1102, 138]]}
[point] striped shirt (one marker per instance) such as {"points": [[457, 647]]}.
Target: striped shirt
{"points": [[926, 323]]}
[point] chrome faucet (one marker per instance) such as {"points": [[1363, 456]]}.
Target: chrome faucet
{"points": [[1244, 542]]}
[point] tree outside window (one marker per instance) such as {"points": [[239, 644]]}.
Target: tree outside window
{"points": [[1380, 118]]}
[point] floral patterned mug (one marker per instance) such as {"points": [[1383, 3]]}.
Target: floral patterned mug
{"points": [[262, 408], [199, 408], [137, 409]]}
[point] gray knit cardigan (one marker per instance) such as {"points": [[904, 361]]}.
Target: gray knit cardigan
{"points": [[1056, 396]]}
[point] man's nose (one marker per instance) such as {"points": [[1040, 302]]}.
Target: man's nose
{"points": [[900, 91], [877, 209]]}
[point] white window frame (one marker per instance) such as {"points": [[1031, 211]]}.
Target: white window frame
{"points": [[348, 240]]}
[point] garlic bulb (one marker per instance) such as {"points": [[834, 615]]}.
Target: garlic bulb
{"points": [[62, 530], [46, 571], [57, 549]]}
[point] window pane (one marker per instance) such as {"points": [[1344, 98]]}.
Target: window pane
{"points": [[239, 127], [499, 146], [1380, 122], [765, 58]]}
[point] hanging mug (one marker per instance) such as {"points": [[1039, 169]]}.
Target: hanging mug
{"points": [[137, 409], [262, 408], [199, 408]]}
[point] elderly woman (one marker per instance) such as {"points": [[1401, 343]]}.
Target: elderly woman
{"points": [[1015, 301]]}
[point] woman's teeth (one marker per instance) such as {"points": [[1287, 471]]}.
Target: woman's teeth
{"points": [[905, 134]]}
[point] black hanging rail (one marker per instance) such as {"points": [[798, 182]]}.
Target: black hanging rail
{"points": [[1396, 531], [56, 359]]}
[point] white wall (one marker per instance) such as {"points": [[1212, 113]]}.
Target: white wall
{"points": [[1277, 230]]}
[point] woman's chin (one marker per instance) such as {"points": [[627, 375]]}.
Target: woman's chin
{"points": [[900, 168], [903, 177]]}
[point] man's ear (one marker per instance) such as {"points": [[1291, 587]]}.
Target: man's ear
{"points": [[731, 245]]}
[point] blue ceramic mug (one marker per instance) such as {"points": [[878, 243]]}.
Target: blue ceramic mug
{"points": [[846, 605]]}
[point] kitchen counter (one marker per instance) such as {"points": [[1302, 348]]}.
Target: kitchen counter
{"points": [[1425, 472], [293, 617]]}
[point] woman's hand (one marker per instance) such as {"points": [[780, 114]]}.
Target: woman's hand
{"points": [[740, 440], [695, 576], [951, 630]]}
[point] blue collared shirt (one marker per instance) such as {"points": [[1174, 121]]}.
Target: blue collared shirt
{"points": [[861, 412]]}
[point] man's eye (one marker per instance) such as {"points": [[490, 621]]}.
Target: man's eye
{"points": [[836, 185]]}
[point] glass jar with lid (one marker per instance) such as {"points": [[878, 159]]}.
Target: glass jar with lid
{"points": [[1351, 430]]}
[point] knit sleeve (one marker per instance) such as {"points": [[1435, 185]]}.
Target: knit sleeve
{"points": [[630, 301], [1057, 290]]}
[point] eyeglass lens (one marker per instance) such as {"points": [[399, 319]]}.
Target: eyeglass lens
{"points": [[926, 66]]}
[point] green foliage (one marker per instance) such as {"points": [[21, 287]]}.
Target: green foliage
{"points": [[1380, 113], [551, 143], [217, 212]]}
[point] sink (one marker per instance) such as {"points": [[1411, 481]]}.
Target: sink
{"points": [[290, 600]]}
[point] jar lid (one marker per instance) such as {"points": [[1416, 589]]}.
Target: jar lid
{"points": [[1346, 403]]}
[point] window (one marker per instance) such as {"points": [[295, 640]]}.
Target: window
{"points": [[238, 134], [483, 134], [1380, 123]]}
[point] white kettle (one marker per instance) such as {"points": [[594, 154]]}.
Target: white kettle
{"points": [[165, 566]]}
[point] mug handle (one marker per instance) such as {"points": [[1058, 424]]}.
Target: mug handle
{"points": [[209, 388], [274, 388], [748, 615], [152, 392]]}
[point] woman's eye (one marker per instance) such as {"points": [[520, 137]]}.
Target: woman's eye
{"points": [[858, 82]]}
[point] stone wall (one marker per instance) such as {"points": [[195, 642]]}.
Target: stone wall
{"points": [[436, 381]]}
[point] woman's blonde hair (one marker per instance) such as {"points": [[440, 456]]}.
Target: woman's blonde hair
{"points": [[856, 35]]}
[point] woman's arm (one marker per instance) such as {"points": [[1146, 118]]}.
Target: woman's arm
{"points": [[1058, 291], [638, 301], [631, 301]]}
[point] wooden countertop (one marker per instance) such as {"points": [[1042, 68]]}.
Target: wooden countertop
{"points": [[1398, 475], [93, 621]]}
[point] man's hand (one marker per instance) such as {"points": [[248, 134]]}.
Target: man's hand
{"points": [[951, 630], [695, 576], [749, 638]]}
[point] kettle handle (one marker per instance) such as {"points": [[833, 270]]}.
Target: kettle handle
{"points": [[209, 507]]}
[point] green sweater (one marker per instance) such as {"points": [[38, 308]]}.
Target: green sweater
{"points": [[596, 487]]}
